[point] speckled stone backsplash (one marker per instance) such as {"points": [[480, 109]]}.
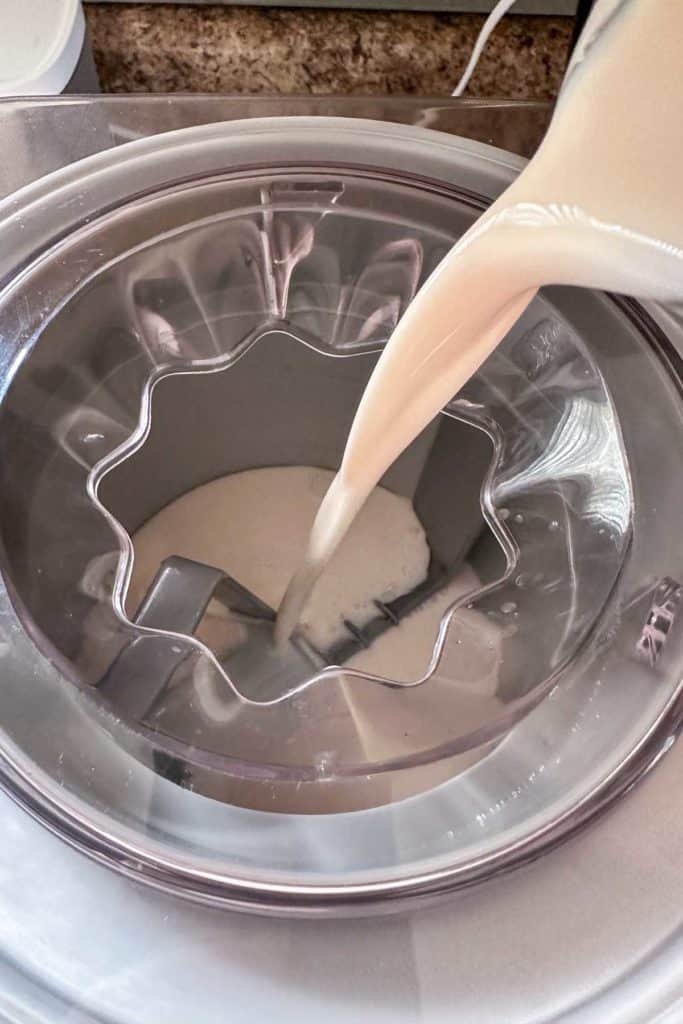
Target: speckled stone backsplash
{"points": [[178, 48]]}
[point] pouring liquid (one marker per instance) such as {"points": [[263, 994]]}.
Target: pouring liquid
{"points": [[598, 206]]}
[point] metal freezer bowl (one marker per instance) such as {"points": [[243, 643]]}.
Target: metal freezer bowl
{"points": [[91, 451]]}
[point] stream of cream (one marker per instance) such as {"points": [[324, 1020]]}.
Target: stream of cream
{"points": [[598, 206]]}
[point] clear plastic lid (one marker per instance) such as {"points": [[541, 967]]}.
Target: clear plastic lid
{"points": [[211, 303]]}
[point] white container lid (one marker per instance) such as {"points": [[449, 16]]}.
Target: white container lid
{"points": [[40, 45]]}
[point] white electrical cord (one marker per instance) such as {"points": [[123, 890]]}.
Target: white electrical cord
{"points": [[498, 12]]}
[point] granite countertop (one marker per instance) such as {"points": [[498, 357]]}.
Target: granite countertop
{"points": [[179, 48]]}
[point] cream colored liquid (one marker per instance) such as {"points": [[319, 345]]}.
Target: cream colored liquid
{"points": [[598, 206], [270, 511]]}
